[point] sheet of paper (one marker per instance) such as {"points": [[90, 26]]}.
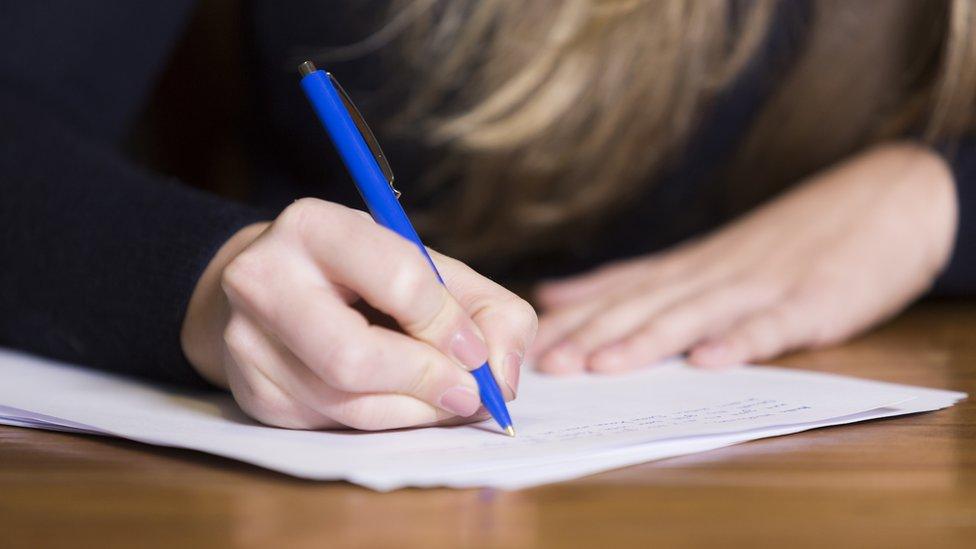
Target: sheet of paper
{"points": [[567, 426], [529, 475]]}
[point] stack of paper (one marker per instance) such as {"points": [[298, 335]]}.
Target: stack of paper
{"points": [[568, 427]]}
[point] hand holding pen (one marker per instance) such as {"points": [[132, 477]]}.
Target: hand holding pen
{"points": [[272, 318]]}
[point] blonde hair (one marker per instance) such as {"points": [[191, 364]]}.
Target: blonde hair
{"points": [[551, 114]]}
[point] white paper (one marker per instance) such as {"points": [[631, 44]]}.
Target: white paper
{"points": [[568, 427], [577, 466]]}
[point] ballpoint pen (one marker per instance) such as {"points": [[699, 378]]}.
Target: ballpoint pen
{"points": [[371, 172]]}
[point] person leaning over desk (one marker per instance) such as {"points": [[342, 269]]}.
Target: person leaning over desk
{"points": [[728, 180]]}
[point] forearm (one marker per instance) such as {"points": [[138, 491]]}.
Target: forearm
{"points": [[100, 256]]}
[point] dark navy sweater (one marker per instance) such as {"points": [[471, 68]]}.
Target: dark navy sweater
{"points": [[100, 254]]}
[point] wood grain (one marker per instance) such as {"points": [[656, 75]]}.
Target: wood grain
{"points": [[900, 482]]}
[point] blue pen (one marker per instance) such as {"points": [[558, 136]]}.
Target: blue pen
{"points": [[363, 158]]}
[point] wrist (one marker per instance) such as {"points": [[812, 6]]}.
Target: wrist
{"points": [[933, 190], [201, 335]]}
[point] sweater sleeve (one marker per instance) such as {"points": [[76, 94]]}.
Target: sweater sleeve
{"points": [[959, 276], [99, 257]]}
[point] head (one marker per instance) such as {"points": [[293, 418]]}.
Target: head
{"points": [[552, 114]]}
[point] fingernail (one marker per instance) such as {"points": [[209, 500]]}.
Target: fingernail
{"points": [[513, 368], [460, 400], [469, 349]]}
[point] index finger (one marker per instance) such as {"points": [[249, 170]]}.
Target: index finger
{"points": [[508, 321], [390, 273]]}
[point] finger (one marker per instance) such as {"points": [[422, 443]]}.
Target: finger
{"points": [[508, 322], [607, 326], [268, 361], [263, 400], [389, 272], [586, 286], [347, 353], [765, 335], [619, 321], [669, 277], [683, 324], [552, 328], [556, 324]]}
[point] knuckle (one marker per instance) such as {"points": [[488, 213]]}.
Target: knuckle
{"points": [[408, 280], [409, 289], [300, 214], [243, 275], [305, 218], [346, 368]]}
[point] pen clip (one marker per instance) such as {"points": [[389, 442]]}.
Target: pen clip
{"points": [[371, 142]]}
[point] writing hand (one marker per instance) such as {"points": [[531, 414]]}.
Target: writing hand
{"points": [[273, 319]]}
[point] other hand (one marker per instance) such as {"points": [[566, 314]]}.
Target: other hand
{"points": [[844, 250]]}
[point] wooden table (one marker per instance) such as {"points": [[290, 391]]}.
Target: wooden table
{"points": [[904, 481]]}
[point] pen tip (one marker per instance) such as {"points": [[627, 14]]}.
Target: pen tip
{"points": [[510, 431]]}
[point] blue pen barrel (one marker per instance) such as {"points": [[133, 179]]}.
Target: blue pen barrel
{"points": [[358, 158]]}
